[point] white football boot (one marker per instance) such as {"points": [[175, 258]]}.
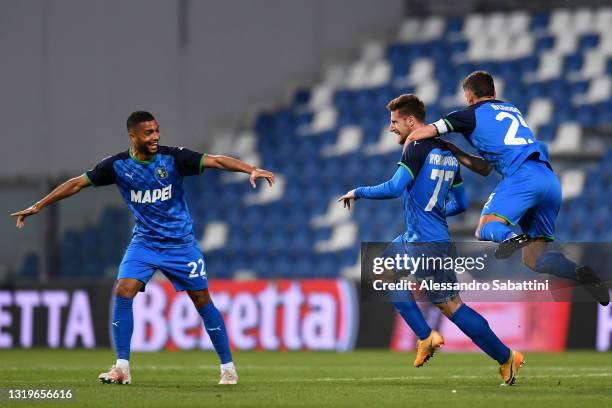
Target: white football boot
{"points": [[228, 376], [116, 375]]}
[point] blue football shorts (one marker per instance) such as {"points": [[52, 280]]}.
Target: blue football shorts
{"points": [[531, 198], [184, 267], [433, 268]]}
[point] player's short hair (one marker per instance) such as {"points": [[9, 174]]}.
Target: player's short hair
{"points": [[480, 83], [408, 105], [138, 117]]}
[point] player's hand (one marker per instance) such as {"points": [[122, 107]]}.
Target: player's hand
{"points": [[346, 199], [21, 215], [261, 173]]}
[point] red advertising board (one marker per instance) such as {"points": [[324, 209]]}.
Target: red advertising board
{"points": [[315, 314], [525, 326]]}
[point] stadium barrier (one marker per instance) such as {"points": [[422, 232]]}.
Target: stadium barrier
{"points": [[317, 314]]}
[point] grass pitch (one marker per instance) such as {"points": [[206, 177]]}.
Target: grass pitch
{"points": [[364, 378]]}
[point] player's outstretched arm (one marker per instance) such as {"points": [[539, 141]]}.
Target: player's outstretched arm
{"points": [[392, 188], [475, 163], [425, 132], [66, 189], [232, 164]]}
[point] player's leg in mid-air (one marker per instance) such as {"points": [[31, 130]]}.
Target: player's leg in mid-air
{"points": [[476, 327], [186, 269], [531, 198]]}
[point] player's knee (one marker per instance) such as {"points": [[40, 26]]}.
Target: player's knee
{"points": [[450, 306], [445, 309], [127, 289], [200, 298]]}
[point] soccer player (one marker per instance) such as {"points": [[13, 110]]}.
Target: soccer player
{"points": [[150, 179], [428, 178], [528, 195]]}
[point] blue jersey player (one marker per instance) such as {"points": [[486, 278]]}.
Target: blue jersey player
{"points": [[528, 195], [428, 178], [150, 179]]}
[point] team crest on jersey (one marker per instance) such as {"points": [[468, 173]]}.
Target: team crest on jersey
{"points": [[161, 173]]}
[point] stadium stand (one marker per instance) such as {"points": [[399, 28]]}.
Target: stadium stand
{"points": [[555, 66]]}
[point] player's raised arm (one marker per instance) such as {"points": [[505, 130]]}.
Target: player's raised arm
{"points": [[232, 164], [475, 163], [66, 189]]}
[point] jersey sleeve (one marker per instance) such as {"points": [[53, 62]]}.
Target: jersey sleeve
{"points": [[458, 181], [414, 156], [461, 121], [188, 162], [103, 174]]}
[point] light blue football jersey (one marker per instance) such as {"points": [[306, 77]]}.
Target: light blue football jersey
{"points": [[499, 132], [434, 171], [153, 190]]}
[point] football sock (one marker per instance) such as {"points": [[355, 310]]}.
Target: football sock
{"points": [[123, 364], [555, 263], [122, 326], [477, 328], [215, 326], [413, 316], [495, 231], [228, 366]]}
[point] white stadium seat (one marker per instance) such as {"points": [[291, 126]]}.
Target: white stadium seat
{"points": [[372, 51], [324, 119], [349, 141], [320, 97], [473, 25], [599, 90], [334, 215], [422, 69], [215, 236], [568, 139], [387, 142], [518, 22], [266, 194], [343, 236], [432, 28], [409, 30], [572, 183], [539, 113], [428, 91]]}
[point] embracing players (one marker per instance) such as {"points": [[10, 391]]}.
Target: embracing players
{"points": [[428, 178], [150, 179], [529, 193]]}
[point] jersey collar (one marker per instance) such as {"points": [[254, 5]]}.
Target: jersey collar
{"points": [[133, 157]]}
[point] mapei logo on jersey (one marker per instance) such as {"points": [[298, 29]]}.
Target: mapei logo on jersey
{"points": [[151, 196], [161, 173]]}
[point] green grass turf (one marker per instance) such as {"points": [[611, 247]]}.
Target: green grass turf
{"points": [[364, 378]]}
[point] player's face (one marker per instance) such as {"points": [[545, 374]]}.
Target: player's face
{"points": [[145, 138], [401, 125]]}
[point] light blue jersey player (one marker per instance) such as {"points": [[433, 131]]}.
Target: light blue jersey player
{"points": [[150, 179], [428, 178], [529, 193]]}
